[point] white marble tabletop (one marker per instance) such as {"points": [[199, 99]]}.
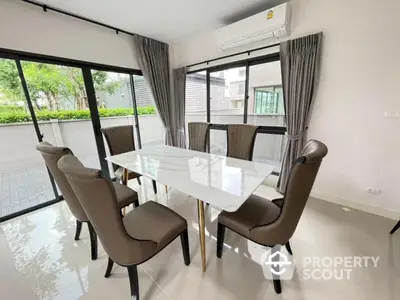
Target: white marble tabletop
{"points": [[221, 181]]}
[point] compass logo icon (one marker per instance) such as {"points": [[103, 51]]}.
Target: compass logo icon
{"points": [[277, 262]]}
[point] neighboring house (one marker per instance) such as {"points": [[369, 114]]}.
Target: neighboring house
{"points": [[196, 92], [122, 98], [227, 90]]}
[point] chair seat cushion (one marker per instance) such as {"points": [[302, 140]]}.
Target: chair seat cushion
{"points": [[125, 195], [256, 211], [120, 172], [155, 222]]}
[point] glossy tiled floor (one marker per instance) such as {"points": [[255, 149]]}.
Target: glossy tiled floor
{"points": [[40, 260]]}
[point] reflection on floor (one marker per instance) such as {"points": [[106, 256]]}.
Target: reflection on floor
{"points": [[40, 260]]}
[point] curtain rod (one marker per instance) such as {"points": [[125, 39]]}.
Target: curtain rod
{"points": [[46, 8], [231, 55]]}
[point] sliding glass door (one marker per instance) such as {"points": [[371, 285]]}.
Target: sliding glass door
{"points": [[24, 179], [65, 103], [61, 106], [152, 130]]}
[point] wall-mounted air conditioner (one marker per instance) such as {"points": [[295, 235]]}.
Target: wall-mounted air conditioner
{"points": [[270, 24]]}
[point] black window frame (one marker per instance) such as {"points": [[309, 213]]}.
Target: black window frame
{"points": [[247, 63], [86, 68]]}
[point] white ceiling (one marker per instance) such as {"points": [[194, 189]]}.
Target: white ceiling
{"points": [[170, 21]]}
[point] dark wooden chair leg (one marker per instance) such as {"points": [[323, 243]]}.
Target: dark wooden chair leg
{"points": [[138, 180], [78, 229], [93, 241], [397, 226], [134, 282], [288, 248], [155, 187], [276, 279], [185, 247], [109, 268], [220, 239], [277, 286], [136, 203]]}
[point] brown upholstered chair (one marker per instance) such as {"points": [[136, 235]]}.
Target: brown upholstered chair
{"points": [[125, 195], [128, 240], [198, 136], [241, 139], [120, 140], [394, 229], [273, 223]]}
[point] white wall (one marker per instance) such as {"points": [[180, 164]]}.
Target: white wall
{"points": [[28, 28], [359, 81]]}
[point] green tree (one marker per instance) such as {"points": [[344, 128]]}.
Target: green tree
{"points": [[10, 85], [52, 83]]}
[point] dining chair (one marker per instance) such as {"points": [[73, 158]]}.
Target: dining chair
{"points": [[131, 239], [272, 223], [51, 155], [397, 226], [120, 140], [241, 139], [198, 136]]}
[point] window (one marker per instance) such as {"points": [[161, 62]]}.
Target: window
{"points": [[24, 180], [196, 99], [226, 105], [268, 100], [241, 88], [66, 103], [265, 106], [152, 130]]}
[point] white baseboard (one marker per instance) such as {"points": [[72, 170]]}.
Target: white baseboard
{"points": [[380, 211]]}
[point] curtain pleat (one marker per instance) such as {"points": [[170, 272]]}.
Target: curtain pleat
{"points": [[153, 59], [300, 70], [178, 113]]}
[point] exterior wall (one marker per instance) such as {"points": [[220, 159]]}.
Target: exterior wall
{"points": [[19, 151], [18, 144], [262, 76]]}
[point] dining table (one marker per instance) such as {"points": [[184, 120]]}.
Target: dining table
{"points": [[223, 182]]}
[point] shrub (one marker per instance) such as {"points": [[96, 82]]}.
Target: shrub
{"points": [[11, 108], [45, 115]]}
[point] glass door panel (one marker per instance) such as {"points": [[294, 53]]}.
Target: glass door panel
{"points": [[196, 99], [151, 128], [114, 102], [61, 106], [24, 180]]}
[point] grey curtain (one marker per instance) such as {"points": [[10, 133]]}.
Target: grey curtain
{"points": [[178, 112], [300, 71], [153, 58]]}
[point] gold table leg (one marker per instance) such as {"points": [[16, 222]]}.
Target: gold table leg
{"points": [[202, 231], [124, 182], [166, 189]]}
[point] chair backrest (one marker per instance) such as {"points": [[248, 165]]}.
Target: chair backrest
{"points": [[98, 198], [241, 140], [119, 140], [51, 155], [300, 183], [198, 136]]}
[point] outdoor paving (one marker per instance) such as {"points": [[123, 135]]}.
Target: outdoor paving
{"points": [[26, 187]]}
